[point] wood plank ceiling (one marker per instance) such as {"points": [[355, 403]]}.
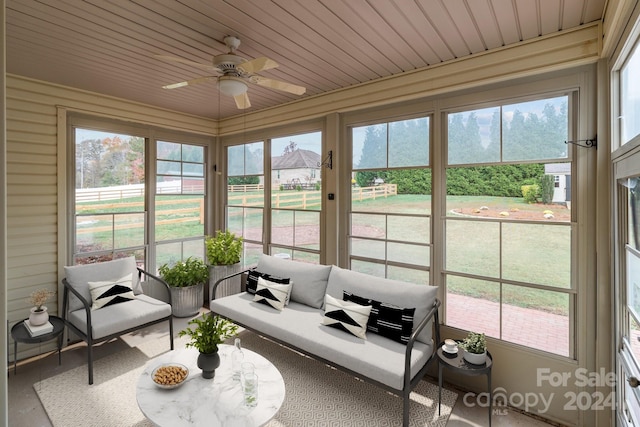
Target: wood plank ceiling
{"points": [[110, 46]]}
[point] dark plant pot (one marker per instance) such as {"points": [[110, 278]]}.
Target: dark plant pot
{"points": [[208, 363]]}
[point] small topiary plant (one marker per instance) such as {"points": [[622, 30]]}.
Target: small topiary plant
{"points": [[209, 331], [474, 343]]}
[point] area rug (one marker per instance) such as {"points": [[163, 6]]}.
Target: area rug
{"points": [[316, 395]]}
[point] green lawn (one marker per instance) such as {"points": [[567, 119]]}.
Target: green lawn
{"points": [[531, 253]]}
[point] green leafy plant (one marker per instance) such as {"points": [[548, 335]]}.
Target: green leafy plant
{"points": [[474, 343], [224, 248], [209, 332], [189, 272]]}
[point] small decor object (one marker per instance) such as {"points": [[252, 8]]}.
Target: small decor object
{"points": [[249, 384], [237, 357], [475, 348], [39, 315], [209, 331], [170, 375], [36, 331], [450, 346]]}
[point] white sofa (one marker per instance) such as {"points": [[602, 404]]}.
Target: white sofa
{"points": [[390, 364]]}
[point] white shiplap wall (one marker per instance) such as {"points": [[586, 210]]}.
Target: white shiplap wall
{"points": [[33, 186]]}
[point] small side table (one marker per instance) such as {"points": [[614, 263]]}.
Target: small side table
{"points": [[19, 333], [456, 363]]}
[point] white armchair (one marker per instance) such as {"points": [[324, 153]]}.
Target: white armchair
{"points": [[113, 310]]}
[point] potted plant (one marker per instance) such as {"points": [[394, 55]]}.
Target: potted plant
{"points": [[475, 348], [39, 314], [224, 250], [186, 281], [207, 334]]}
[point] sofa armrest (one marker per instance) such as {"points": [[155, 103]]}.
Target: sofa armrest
{"points": [[431, 315], [219, 281]]}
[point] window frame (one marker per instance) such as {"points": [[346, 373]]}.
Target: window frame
{"points": [[151, 134]]}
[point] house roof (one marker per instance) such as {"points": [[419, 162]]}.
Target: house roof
{"points": [[297, 159], [557, 169]]}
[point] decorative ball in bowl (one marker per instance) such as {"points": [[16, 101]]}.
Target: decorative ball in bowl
{"points": [[169, 375]]}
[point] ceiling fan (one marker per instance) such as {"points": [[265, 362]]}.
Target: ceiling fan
{"points": [[233, 72]]}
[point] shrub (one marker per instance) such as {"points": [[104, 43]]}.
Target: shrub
{"points": [[530, 193], [547, 185]]}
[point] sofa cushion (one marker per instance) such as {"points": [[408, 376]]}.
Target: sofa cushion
{"points": [[120, 317], [254, 275], [309, 280], [388, 320], [347, 316], [80, 275], [377, 357], [111, 292], [272, 294], [401, 294]]}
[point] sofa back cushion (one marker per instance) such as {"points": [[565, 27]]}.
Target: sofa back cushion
{"points": [[309, 281], [79, 277], [395, 292]]}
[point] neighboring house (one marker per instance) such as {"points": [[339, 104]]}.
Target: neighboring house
{"points": [[296, 167], [562, 181]]}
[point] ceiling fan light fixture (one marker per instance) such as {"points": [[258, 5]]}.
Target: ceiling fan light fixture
{"points": [[231, 86]]}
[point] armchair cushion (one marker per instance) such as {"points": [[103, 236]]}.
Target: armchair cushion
{"points": [[117, 318], [79, 277]]}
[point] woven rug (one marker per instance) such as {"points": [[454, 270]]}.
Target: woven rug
{"points": [[316, 395]]}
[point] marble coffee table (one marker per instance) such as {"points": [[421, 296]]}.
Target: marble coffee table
{"points": [[215, 402]]}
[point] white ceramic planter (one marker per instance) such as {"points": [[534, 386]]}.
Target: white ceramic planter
{"points": [[476, 359], [37, 318]]}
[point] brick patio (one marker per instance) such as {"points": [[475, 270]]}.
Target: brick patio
{"points": [[525, 326]]}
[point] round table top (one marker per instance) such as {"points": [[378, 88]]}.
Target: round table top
{"points": [[457, 362], [211, 402], [20, 333]]}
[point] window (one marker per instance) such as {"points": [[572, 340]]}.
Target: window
{"points": [[508, 233], [245, 196], [296, 199], [390, 218], [125, 207], [179, 202], [110, 214], [630, 97]]}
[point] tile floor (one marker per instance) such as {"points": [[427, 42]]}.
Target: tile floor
{"points": [[25, 409]]}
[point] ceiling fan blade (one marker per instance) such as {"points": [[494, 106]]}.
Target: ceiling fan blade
{"points": [[208, 67], [276, 84], [242, 101], [189, 82], [257, 65]]}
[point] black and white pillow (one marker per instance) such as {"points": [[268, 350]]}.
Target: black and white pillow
{"points": [[349, 317], [254, 275], [271, 294], [388, 320], [110, 292]]}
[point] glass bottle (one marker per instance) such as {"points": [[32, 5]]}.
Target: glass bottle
{"points": [[237, 356]]}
